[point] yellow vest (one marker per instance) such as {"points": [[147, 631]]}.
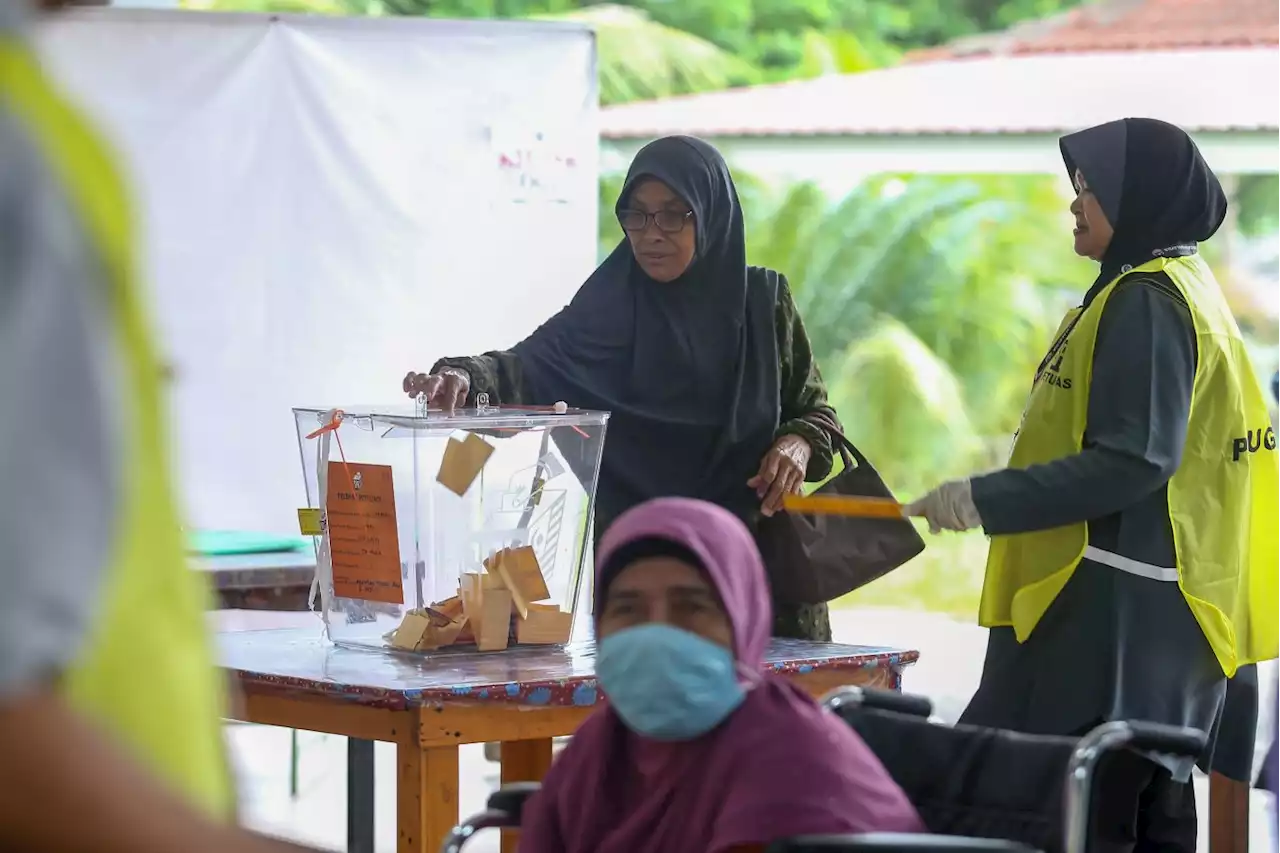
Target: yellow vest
{"points": [[147, 674], [1222, 499]]}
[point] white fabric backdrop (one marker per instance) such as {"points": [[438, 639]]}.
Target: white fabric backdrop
{"points": [[324, 207]]}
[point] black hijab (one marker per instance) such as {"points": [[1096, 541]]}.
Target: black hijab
{"points": [[1158, 193], [688, 368]]}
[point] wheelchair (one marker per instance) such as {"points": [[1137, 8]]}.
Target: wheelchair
{"points": [[977, 790]]}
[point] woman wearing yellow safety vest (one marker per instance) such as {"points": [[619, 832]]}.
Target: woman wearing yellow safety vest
{"points": [[1132, 568], [110, 738]]}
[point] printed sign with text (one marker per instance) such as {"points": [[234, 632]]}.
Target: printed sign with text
{"points": [[360, 516]]}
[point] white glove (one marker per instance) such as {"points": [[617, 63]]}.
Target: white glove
{"points": [[948, 507]]}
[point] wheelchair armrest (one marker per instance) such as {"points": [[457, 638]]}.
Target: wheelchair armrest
{"points": [[510, 799], [877, 699], [1176, 741], [894, 842]]}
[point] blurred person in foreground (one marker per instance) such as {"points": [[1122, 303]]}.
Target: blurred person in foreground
{"points": [[702, 361], [697, 750], [110, 730], [1133, 562]]}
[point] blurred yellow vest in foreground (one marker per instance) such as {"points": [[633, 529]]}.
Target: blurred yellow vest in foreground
{"points": [[146, 674]]}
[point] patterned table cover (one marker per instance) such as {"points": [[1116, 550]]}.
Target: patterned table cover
{"points": [[300, 661]]}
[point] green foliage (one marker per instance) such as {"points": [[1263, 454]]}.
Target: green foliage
{"points": [[840, 52], [784, 55], [771, 32], [723, 22], [610, 230], [908, 24], [640, 58], [1257, 203]]}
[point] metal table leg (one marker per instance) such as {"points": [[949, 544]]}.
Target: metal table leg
{"points": [[360, 836]]}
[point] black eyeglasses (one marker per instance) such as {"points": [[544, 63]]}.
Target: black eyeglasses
{"points": [[668, 221]]}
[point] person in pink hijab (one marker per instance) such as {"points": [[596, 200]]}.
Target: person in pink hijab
{"points": [[697, 749]]}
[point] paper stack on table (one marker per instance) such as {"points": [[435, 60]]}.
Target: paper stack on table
{"points": [[482, 612]]}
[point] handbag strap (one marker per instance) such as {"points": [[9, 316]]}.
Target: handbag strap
{"points": [[848, 452]]}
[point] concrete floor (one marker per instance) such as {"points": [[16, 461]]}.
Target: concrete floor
{"points": [[950, 663]]}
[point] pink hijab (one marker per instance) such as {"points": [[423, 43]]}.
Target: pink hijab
{"points": [[778, 766]]}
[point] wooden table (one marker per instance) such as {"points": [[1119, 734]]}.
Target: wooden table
{"points": [[521, 698], [276, 581], [1228, 814]]}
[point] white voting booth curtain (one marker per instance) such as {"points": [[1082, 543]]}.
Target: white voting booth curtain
{"points": [[327, 203]]}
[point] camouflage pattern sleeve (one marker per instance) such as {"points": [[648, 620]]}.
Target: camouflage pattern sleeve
{"points": [[497, 374], [803, 391]]}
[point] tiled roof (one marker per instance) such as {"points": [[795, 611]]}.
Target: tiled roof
{"points": [[1118, 25], [1200, 90]]}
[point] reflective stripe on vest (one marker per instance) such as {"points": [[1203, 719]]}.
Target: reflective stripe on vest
{"points": [[1133, 567], [146, 674], [1223, 504]]}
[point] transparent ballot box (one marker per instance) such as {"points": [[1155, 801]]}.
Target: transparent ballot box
{"points": [[440, 532]]}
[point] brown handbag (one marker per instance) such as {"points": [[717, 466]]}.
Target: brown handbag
{"points": [[817, 558]]}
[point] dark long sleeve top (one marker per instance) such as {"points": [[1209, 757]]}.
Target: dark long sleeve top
{"points": [[802, 390], [1144, 366]]}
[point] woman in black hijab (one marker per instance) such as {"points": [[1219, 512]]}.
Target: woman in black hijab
{"points": [[702, 361], [1119, 640]]}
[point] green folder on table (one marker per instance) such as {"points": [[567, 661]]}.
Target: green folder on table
{"points": [[221, 543]]}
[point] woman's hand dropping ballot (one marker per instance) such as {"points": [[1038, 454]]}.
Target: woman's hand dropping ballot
{"points": [[446, 389], [948, 507]]}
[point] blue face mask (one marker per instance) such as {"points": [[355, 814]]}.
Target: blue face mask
{"points": [[666, 683]]}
